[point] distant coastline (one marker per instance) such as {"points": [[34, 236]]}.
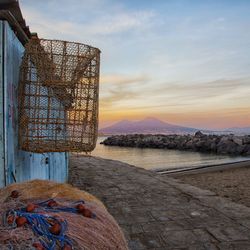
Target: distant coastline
{"points": [[151, 125], [199, 142]]}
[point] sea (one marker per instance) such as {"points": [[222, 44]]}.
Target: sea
{"points": [[161, 159]]}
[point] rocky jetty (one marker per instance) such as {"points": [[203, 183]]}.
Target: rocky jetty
{"points": [[220, 144]]}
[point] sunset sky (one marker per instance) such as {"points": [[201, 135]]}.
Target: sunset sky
{"points": [[186, 62]]}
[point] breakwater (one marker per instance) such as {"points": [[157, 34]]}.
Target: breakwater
{"points": [[199, 142]]}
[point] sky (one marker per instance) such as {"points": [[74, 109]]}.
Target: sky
{"points": [[185, 62]]}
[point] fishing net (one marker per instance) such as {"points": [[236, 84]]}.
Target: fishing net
{"points": [[77, 230], [58, 96]]}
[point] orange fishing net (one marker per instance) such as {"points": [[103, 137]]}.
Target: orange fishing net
{"points": [[83, 232]]}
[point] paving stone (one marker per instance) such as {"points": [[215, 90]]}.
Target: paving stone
{"points": [[136, 228], [239, 245], [148, 240], [135, 244], [215, 221], [182, 238], [158, 212], [201, 246], [204, 236], [230, 233], [165, 215], [155, 226]]}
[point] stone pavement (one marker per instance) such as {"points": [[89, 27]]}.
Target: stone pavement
{"points": [[159, 212]]}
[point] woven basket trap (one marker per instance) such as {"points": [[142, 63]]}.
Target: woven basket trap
{"points": [[58, 96]]}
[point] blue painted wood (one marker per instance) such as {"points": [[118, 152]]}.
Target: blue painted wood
{"points": [[13, 51], [57, 162], [2, 172], [20, 165]]}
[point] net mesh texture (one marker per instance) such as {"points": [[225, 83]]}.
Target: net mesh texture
{"points": [[58, 96], [101, 233]]}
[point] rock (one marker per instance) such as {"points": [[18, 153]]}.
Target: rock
{"points": [[213, 146], [198, 134], [200, 145], [246, 139], [247, 150], [237, 140], [227, 147], [239, 150], [225, 144], [189, 144], [226, 138], [171, 145]]}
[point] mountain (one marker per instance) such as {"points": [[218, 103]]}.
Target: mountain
{"points": [[146, 126]]}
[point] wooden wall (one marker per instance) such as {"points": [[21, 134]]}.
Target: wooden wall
{"points": [[17, 165]]}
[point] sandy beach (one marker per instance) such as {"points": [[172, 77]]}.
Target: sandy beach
{"points": [[232, 183]]}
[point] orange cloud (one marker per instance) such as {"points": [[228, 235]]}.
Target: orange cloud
{"points": [[122, 79]]}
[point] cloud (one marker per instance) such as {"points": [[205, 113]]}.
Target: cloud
{"points": [[116, 96], [118, 90], [122, 79], [95, 19], [176, 97], [201, 90], [120, 22]]}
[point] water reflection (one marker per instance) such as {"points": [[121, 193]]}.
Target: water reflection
{"points": [[155, 159]]}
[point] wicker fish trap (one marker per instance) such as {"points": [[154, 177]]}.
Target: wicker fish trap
{"points": [[58, 96]]}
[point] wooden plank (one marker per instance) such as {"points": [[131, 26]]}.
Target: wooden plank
{"points": [[58, 165], [13, 51], [2, 171]]}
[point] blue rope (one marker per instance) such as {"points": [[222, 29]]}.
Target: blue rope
{"points": [[40, 226], [41, 223], [56, 209]]}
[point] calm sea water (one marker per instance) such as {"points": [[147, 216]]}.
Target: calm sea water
{"points": [[157, 159]]}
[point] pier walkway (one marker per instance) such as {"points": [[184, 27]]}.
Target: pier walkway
{"points": [[159, 212]]}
